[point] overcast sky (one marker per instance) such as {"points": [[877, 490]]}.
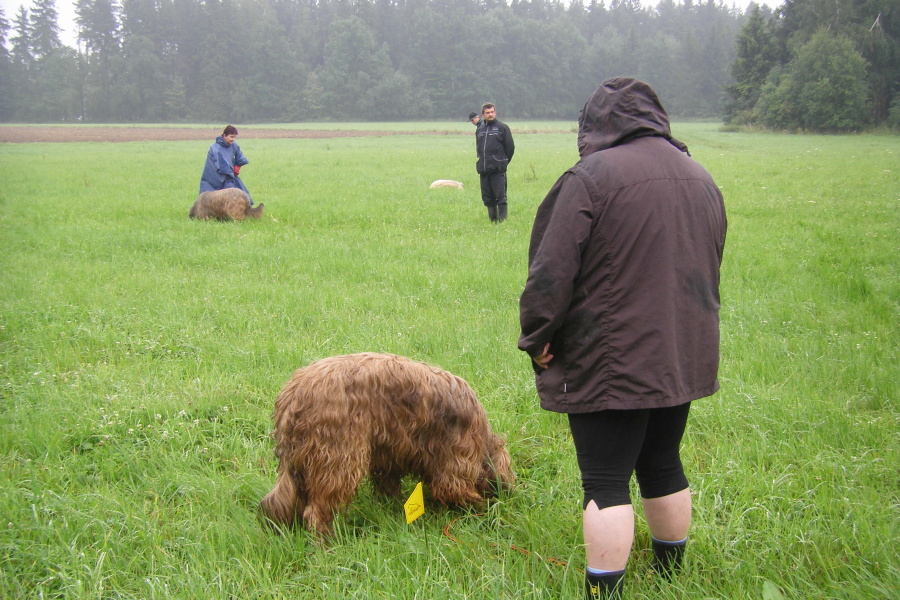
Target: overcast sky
{"points": [[66, 10]]}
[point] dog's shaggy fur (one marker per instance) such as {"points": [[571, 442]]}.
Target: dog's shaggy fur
{"points": [[342, 418], [230, 204]]}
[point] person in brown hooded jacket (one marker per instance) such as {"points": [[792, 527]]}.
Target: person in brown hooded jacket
{"points": [[620, 315]]}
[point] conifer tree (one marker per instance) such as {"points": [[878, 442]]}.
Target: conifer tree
{"points": [[757, 53], [44, 31]]}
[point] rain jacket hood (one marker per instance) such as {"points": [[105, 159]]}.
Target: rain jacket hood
{"points": [[620, 110]]}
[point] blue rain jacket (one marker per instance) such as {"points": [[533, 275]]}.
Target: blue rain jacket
{"points": [[218, 172]]}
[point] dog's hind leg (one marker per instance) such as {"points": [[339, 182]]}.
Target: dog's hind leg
{"points": [[332, 481]]}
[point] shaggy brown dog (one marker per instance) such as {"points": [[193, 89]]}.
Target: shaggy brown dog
{"points": [[344, 417], [230, 204]]}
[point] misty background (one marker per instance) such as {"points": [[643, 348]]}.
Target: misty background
{"points": [[802, 64]]}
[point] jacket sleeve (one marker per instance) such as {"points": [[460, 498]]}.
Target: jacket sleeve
{"points": [[239, 159], [562, 229], [508, 145]]}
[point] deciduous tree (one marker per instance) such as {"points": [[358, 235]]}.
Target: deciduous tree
{"points": [[823, 88]]}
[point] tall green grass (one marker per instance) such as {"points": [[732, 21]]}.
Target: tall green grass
{"points": [[141, 353]]}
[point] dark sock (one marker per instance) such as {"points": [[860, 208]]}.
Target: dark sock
{"points": [[603, 585], [668, 556]]}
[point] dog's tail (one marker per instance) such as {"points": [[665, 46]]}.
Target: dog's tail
{"points": [[283, 504]]}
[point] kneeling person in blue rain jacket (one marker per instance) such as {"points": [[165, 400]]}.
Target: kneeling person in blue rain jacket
{"points": [[223, 164]]}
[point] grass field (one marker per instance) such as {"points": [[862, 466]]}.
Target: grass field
{"points": [[141, 353]]}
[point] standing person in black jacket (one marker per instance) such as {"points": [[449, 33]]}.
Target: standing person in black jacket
{"points": [[495, 148]]}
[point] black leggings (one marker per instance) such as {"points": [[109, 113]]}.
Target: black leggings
{"points": [[613, 444]]}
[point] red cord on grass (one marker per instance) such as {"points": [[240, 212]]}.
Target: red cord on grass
{"points": [[524, 551]]}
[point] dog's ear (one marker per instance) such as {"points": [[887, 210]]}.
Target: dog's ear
{"points": [[497, 474], [490, 484]]}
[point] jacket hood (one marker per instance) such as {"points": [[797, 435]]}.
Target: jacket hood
{"points": [[622, 109]]}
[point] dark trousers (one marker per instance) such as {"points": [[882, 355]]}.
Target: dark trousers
{"points": [[493, 189]]}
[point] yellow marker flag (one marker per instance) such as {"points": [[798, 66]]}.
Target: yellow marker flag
{"points": [[415, 504]]}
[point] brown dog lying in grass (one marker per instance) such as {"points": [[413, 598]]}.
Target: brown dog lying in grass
{"points": [[230, 204]]}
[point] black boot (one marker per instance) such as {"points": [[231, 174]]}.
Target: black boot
{"points": [[501, 212], [603, 586], [668, 556], [492, 213]]}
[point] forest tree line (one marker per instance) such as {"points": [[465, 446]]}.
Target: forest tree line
{"points": [[818, 65], [247, 61]]}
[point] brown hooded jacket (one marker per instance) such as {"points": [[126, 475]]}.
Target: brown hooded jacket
{"points": [[623, 269]]}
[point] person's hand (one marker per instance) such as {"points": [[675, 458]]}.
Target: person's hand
{"points": [[543, 359], [237, 169]]}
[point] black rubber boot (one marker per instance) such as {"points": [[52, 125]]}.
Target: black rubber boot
{"points": [[668, 557], [606, 586], [492, 213]]}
